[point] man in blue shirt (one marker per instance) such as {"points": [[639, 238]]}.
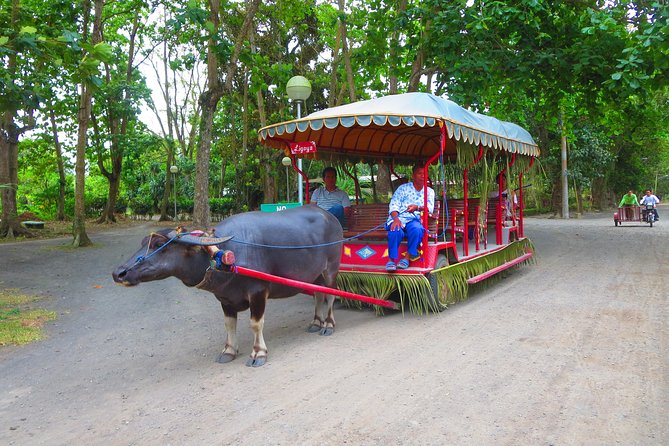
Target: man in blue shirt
{"points": [[405, 210], [330, 197]]}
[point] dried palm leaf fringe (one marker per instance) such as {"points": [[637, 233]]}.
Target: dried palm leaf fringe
{"points": [[452, 279], [415, 291]]}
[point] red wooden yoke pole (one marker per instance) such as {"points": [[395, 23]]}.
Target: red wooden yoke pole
{"points": [[312, 287]]}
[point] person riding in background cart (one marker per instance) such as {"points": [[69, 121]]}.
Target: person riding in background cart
{"points": [[649, 198], [629, 200]]}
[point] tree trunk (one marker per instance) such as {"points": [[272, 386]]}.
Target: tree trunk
{"points": [[565, 179], [601, 196], [172, 127], [269, 179], [9, 134], [79, 221], [372, 175], [347, 59], [394, 37], [417, 70], [118, 127], [208, 102], [84, 115], [332, 99], [60, 216], [578, 195], [112, 196], [169, 182], [9, 149], [383, 183]]}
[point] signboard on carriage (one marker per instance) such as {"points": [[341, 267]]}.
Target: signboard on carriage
{"points": [[301, 148], [278, 207]]}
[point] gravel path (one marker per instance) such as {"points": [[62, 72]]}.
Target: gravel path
{"points": [[570, 351]]}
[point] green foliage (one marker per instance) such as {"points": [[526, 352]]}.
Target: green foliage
{"points": [[603, 67], [590, 154], [222, 207]]}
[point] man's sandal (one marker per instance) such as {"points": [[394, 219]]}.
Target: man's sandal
{"points": [[390, 266], [403, 264]]}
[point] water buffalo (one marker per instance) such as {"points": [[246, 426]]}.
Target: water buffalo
{"points": [[303, 226]]}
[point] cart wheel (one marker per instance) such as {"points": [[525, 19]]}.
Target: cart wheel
{"points": [[439, 296]]}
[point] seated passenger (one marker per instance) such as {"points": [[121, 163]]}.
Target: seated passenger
{"points": [[404, 219], [330, 197], [629, 200]]}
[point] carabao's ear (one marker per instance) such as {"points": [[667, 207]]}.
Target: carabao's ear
{"points": [[157, 240]]}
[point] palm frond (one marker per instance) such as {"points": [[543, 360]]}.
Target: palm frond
{"points": [[412, 290], [454, 277]]}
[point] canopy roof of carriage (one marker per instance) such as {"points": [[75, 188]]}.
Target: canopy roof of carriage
{"points": [[404, 127]]}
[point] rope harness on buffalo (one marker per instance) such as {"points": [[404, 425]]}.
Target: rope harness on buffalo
{"points": [[202, 239], [222, 258]]}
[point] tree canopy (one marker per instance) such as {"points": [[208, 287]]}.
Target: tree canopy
{"points": [[204, 76]]}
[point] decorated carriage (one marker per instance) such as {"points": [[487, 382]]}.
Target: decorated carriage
{"points": [[477, 165]]}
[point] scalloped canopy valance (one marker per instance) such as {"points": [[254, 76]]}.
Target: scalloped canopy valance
{"points": [[404, 126]]}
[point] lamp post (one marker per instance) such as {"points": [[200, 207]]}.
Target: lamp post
{"points": [[286, 161], [298, 89], [173, 171]]}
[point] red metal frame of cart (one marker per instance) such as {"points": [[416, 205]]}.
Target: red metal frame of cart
{"points": [[404, 129], [629, 215]]}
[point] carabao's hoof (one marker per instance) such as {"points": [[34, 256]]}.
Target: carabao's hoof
{"points": [[224, 358], [256, 362], [326, 331], [314, 328]]}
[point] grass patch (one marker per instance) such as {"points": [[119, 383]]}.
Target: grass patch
{"points": [[20, 323]]}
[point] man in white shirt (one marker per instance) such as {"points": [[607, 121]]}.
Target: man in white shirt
{"points": [[649, 198], [404, 218], [330, 197]]}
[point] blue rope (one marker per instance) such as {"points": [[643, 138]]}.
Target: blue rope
{"points": [[140, 259], [308, 246], [241, 242]]}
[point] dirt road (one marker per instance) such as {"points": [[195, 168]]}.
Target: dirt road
{"points": [[570, 351]]}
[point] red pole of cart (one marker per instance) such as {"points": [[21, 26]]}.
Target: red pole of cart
{"points": [[426, 172], [465, 186], [313, 287], [501, 216], [521, 201]]}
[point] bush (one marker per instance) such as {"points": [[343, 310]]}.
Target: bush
{"points": [[221, 207], [94, 205], [141, 205], [184, 205]]}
